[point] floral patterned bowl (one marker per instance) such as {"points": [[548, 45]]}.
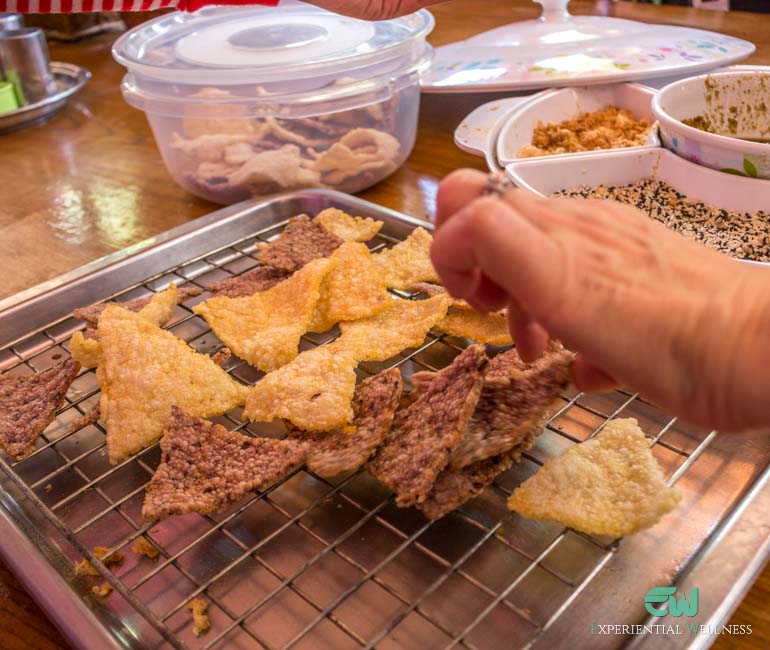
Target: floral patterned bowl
{"points": [[727, 117]]}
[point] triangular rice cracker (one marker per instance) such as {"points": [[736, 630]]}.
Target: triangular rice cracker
{"points": [[313, 392], [352, 290], [144, 372], [347, 227], [404, 324], [158, 310], [608, 485], [265, 328], [28, 405], [204, 467], [424, 434], [408, 262]]}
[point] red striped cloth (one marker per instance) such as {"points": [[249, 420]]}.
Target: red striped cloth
{"points": [[79, 6]]}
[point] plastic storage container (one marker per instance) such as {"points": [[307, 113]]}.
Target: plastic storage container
{"points": [[250, 101]]}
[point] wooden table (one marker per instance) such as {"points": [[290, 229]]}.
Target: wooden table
{"points": [[92, 181]]}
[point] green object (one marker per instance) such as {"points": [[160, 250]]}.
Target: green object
{"points": [[11, 76], [8, 101]]}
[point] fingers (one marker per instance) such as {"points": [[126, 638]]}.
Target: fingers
{"points": [[588, 378], [489, 239], [530, 337], [456, 191]]}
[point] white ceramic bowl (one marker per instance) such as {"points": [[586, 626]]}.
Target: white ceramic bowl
{"points": [[735, 105], [566, 103], [614, 168]]}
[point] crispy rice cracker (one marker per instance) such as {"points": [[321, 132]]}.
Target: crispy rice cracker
{"points": [[430, 290], [408, 262], [145, 371], [265, 328], [404, 324], [347, 227], [259, 279], [302, 240], [204, 467], [487, 328], [28, 405], [159, 314], [424, 434], [608, 485], [453, 487], [352, 290], [157, 309], [313, 392], [345, 450]]}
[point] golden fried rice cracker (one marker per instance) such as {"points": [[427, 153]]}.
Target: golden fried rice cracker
{"points": [[402, 325], [144, 372], [91, 313], [313, 392], [488, 328], [430, 289], [86, 351], [265, 328], [608, 485], [347, 227], [204, 467], [157, 310], [352, 290], [408, 262]]}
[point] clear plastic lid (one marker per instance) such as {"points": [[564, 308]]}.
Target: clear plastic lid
{"points": [[295, 42]]}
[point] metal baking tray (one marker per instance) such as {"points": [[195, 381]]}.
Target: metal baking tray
{"points": [[314, 564]]}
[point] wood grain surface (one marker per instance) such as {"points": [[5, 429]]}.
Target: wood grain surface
{"points": [[91, 181]]}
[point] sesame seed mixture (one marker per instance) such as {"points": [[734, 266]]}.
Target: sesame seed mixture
{"points": [[741, 235]]}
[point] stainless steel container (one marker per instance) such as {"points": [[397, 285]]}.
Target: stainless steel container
{"points": [[25, 63], [11, 21]]}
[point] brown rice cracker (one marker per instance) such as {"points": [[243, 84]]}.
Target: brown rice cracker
{"points": [[345, 450], [454, 487], [204, 467], [28, 405], [301, 241], [516, 401], [259, 279], [424, 434]]}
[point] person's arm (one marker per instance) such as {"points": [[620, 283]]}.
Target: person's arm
{"points": [[374, 9], [685, 326]]}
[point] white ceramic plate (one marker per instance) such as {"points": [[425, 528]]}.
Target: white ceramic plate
{"points": [[577, 51], [565, 103], [473, 133], [624, 167]]}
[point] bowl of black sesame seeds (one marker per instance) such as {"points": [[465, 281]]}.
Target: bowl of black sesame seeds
{"points": [[719, 120], [725, 212]]}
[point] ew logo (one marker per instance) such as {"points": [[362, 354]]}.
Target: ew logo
{"points": [[666, 595]]}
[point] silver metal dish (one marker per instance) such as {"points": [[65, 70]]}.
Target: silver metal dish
{"points": [[69, 80], [311, 563]]}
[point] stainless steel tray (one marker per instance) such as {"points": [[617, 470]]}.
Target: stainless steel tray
{"points": [[334, 564], [69, 80]]}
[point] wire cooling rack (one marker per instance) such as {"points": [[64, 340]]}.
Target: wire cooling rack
{"points": [[316, 563]]}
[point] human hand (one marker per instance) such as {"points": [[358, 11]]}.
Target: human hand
{"points": [[374, 9], [685, 326]]}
